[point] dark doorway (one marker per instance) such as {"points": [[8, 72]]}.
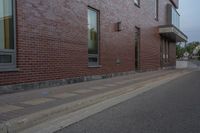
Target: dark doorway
{"points": [[164, 53]]}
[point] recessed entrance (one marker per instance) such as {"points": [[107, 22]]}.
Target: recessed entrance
{"points": [[164, 52]]}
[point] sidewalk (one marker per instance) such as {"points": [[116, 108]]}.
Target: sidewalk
{"points": [[24, 110]]}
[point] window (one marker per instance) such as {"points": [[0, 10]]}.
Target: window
{"points": [[173, 16], [156, 9], [137, 2], [137, 48], [7, 35], [166, 50], [93, 37]]}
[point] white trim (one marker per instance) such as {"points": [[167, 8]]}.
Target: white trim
{"points": [[171, 30]]}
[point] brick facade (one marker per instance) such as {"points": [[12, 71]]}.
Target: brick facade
{"points": [[52, 38]]}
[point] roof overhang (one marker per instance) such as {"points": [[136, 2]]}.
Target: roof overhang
{"points": [[172, 33]]}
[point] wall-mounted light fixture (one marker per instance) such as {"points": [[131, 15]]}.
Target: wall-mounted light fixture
{"points": [[118, 61]]}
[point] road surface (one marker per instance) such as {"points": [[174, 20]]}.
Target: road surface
{"points": [[171, 108]]}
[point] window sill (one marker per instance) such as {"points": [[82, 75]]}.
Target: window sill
{"points": [[9, 69], [95, 66]]}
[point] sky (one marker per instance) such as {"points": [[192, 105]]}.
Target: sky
{"points": [[190, 18]]}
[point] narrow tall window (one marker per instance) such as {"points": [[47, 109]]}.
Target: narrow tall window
{"points": [[137, 48], [93, 37], [168, 50], [156, 9], [137, 2], [7, 43], [164, 50]]}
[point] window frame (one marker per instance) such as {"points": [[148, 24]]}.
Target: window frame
{"points": [[170, 9], [97, 56], [137, 4], [156, 13], [12, 52], [168, 50], [164, 50], [137, 44]]}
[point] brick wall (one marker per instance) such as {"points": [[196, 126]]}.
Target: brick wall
{"points": [[52, 38]]}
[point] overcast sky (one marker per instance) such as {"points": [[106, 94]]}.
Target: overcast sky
{"points": [[190, 18]]}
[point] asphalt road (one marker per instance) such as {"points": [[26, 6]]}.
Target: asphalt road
{"points": [[171, 108]]}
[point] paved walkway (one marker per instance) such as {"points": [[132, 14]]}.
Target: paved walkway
{"points": [[13, 106]]}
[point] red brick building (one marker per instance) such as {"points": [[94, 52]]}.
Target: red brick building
{"points": [[52, 42]]}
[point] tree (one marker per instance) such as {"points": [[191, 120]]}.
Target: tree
{"points": [[190, 47], [180, 51]]}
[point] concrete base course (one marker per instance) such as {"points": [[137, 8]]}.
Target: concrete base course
{"points": [[53, 83]]}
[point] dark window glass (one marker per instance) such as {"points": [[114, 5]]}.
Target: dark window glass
{"points": [[156, 9], [93, 35], [7, 35], [6, 25], [137, 48], [93, 60], [5, 58], [164, 51]]}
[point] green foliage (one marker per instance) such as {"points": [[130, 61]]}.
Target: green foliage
{"points": [[188, 48], [191, 46], [180, 51]]}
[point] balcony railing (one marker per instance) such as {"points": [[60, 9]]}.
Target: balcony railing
{"points": [[173, 16], [171, 30]]}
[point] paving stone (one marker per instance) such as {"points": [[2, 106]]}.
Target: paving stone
{"points": [[110, 85], [64, 95], [99, 88], [7, 108], [38, 101], [122, 82], [83, 91]]}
